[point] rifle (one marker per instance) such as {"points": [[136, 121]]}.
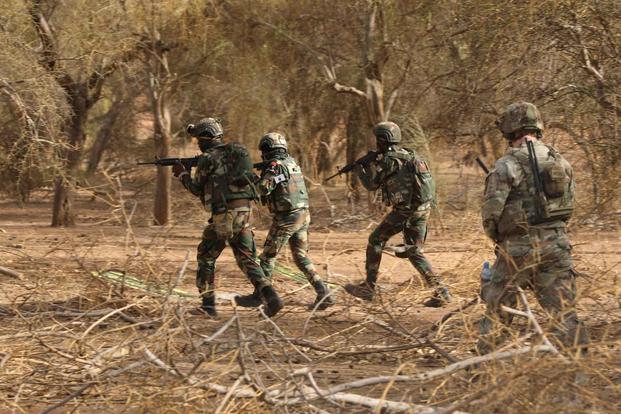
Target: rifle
{"points": [[540, 198], [190, 163], [366, 159], [482, 164]]}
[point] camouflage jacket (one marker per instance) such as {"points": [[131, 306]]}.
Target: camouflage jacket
{"points": [[390, 173], [211, 181], [509, 194], [282, 185]]}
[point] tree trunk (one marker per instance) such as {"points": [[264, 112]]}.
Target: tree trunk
{"points": [[357, 136], [62, 209], [103, 137], [163, 140]]}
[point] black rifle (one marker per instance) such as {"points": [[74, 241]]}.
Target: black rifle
{"points": [[540, 196], [190, 163], [368, 158], [482, 164]]}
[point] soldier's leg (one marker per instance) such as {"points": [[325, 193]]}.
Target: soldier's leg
{"points": [[555, 288], [392, 224], [208, 251], [415, 234], [499, 290], [281, 230], [244, 249], [276, 238], [299, 249]]}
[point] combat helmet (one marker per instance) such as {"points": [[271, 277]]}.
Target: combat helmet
{"points": [[387, 132], [206, 128], [272, 141], [519, 116]]}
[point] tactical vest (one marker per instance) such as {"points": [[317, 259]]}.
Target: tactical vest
{"points": [[553, 207], [409, 184], [230, 176], [290, 192]]}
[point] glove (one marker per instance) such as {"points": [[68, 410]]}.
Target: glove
{"points": [[178, 169]]}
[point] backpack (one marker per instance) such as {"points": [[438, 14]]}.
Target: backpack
{"points": [[556, 201], [238, 165], [412, 184], [424, 184]]}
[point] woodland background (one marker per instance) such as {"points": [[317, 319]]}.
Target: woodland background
{"points": [[89, 87], [96, 312]]}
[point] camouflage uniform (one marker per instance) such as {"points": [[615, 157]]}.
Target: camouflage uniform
{"points": [[229, 203], [282, 187], [291, 215], [392, 172], [532, 252]]}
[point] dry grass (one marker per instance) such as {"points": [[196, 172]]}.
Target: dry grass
{"points": [[72, 343]]}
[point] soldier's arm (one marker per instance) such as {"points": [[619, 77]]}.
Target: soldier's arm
{"points": [[497, 188], [270, 178], [370, 175], [196, 184]]}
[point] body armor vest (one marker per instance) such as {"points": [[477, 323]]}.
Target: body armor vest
{"points": [[525, 206], [290, 192], [229, 169]]}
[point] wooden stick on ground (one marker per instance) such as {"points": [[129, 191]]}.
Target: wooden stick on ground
{"points": [[9, 272]]}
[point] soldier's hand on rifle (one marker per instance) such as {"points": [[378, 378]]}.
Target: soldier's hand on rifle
{"points": [[178, 169]]}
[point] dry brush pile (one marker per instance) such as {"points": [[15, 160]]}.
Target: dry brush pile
{"points": [[71, 342]]}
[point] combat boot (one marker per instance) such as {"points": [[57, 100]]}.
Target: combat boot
{"points": [[441, 297], [324, 297], [272, 302], [209, 305], [363, 290], [249, 301]]}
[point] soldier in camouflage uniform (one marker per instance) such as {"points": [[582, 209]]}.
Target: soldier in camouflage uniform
{"points": [[282, 187], [529, 229], [223, 180], [406, 185]]}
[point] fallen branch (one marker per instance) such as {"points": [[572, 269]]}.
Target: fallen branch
{"points": [[289, 398], [8, 272]]}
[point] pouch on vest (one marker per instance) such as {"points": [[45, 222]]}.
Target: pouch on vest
{"points": [[424, 183], [223, 225]]}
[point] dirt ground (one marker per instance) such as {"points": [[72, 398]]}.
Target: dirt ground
{"points": [[57, 334]]}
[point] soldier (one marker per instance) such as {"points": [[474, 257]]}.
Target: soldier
{"points": [[283, 188], [408, 187], [223, 180], [525, 214]]}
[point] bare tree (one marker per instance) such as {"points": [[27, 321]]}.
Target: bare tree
{"points": [[82, 91]]}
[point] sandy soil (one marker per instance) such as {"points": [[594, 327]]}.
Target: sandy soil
{"points": [[56, 264]]}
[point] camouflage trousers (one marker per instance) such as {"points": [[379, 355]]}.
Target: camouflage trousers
{"points": [[233, 228], [543, 263], [413, 224], [292, 228]]}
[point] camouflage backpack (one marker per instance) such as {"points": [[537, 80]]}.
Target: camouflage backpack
{"points": [[411, 185], [238, 165], [556, 201]]}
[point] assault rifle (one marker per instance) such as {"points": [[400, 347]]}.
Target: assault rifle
{"points": [[368, 158], [482, 164], [540, 196], [190, 163]]}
